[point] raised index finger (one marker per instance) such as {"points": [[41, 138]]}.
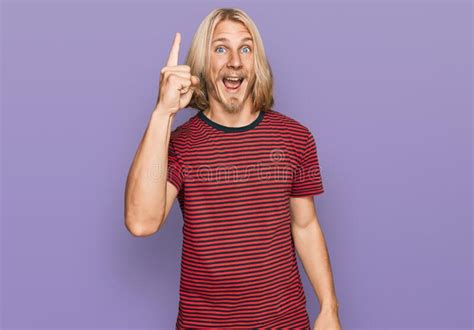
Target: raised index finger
{"points": [[174, 52]]}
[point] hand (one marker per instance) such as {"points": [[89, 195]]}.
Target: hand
{"points": [[327, 321], [176, 82]]}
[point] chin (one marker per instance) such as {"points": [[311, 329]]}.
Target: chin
{"points": [[231, 102]]}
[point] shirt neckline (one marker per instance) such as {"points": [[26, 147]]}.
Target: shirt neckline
{"points": [[229, 129]]}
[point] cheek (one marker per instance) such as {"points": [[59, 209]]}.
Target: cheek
{"points": [[250, 65], [217, 64]]}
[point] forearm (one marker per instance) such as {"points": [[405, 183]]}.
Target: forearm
{"points": [[312, 250], [145, 193]]}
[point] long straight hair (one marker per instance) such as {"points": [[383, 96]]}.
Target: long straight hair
{"points": [[198, 58]]}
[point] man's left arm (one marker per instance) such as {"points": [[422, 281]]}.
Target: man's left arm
{"points": [[312, 250]]}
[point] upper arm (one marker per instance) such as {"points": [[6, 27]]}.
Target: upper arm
{"points": [[171, 194], [174, 182], [303, 211]]}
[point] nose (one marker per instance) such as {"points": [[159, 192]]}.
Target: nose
{"points": [[234, 61]]}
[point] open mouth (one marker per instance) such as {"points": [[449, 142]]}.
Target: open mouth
{"points": [[232, 83]]}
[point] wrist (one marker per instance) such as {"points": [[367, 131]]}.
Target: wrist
{"points": [[159, 111], [330, 307]]}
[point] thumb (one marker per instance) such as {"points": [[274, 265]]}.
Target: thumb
{"points": [[186, 97], [195, 81]]}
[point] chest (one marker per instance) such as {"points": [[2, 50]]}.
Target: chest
{"points": [[242, 163]]}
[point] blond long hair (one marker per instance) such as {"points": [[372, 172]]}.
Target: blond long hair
{"points": [[198, 58]]}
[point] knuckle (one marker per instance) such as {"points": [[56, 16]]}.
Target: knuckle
{"points": [[172, 78]]}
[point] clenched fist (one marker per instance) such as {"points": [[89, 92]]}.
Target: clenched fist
{"points": [[176, 82]]}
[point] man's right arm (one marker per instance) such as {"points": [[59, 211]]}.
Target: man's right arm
{"points": [[148, 195]]}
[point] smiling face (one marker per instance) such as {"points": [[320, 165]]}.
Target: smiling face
{"points": [[231, 74]]}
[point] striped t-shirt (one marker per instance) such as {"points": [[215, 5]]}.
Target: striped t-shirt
{"points": [[238, 264]]}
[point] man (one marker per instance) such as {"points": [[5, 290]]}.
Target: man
{"points": [[244, 175]]}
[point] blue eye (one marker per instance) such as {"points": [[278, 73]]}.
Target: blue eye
{"points": [[220, 47]]}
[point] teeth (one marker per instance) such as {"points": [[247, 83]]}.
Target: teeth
{"points": [[233, 79]]}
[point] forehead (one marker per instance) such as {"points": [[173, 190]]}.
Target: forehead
{"points": [[230, 30]]}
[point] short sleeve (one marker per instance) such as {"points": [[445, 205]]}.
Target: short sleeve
{"points": [[175, 168], [307, 178]]}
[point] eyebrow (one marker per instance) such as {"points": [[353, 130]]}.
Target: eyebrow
{"points": [[227, 40]]}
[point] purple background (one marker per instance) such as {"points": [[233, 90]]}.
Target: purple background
{"points": [[385, 87]]}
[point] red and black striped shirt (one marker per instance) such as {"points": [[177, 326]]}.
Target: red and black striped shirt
{"points": [[238, 265]]}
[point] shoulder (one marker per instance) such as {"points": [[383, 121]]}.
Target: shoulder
{"points": [[184, 131], [287, 124]]}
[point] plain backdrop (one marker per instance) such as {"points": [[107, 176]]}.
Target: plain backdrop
{"points": [[384, 86]]}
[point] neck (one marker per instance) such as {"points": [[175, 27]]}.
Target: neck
{"points": [[231, 118]]}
